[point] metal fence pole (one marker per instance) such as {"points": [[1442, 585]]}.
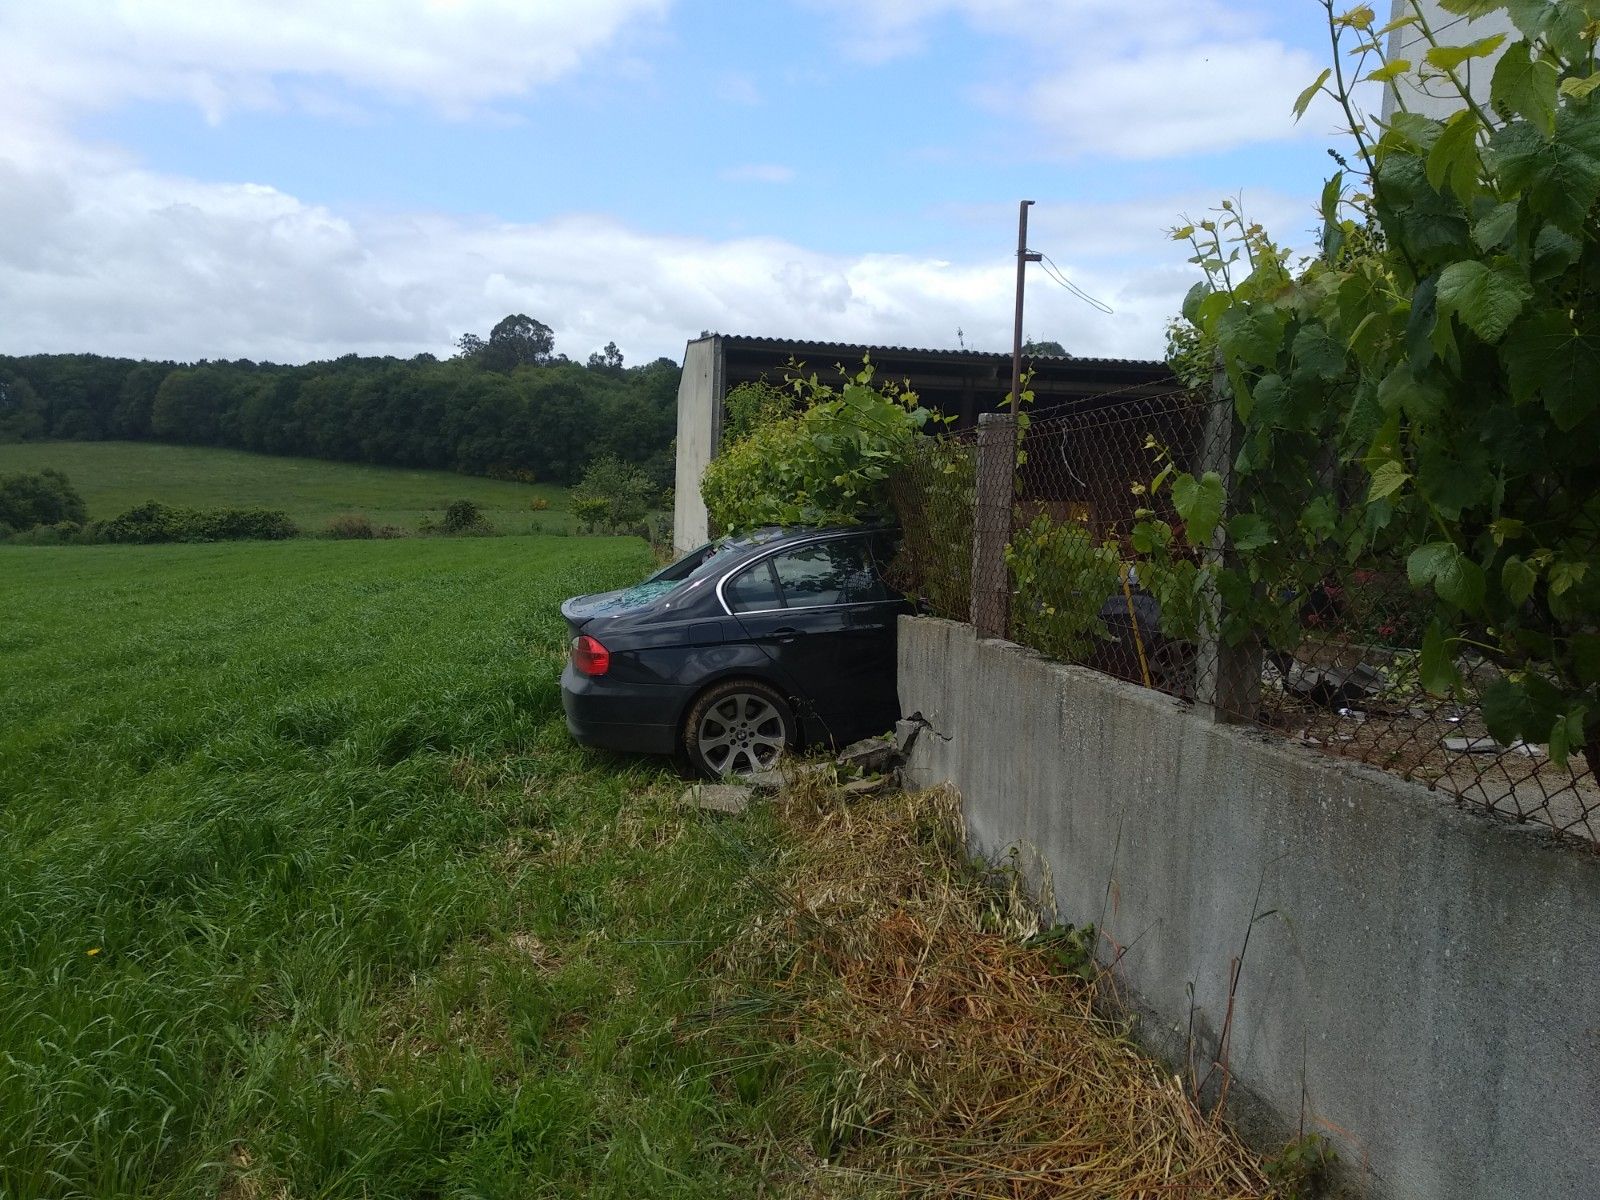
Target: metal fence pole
{"points": [[991, 523], [1227, 678]]}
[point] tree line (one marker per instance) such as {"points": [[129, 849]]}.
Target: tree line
{"points": [[505, 406]]}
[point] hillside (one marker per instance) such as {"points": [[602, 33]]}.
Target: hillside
{"points": [[115, 476]]}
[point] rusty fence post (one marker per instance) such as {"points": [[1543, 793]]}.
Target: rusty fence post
{"points": [[1227, 678], [991, 523]]}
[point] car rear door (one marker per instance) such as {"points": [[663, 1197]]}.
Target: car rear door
{"points": [[874, 611], [825, 618]]}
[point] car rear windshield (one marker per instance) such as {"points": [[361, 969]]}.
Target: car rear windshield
{"points": [[708, 560]]}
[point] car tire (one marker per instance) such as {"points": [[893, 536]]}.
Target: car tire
{"points": [[737, 728]]}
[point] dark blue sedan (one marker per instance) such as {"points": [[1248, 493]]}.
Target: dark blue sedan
{"points": [[741, 650]]}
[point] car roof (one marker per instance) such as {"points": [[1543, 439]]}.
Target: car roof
{"points": [[770, 535]]}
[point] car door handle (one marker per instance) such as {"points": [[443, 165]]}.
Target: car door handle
{"points": [[786, 635]]}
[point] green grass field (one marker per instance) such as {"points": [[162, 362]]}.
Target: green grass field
{"points": [[115, 476], [305, 891]]}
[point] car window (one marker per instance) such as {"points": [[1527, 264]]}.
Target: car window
{"points": [[848, 570], [677, 572], [813, 576], [709, 560], [838, 571], [752, 588]]}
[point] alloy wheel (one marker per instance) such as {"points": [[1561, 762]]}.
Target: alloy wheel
{"points": [[741, 734]]}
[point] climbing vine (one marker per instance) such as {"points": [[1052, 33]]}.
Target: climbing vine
{"points": [[1427, 387]]}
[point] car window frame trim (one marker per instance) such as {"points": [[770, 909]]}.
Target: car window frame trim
{"points": [[768, 555]]}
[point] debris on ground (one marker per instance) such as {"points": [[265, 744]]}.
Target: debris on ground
{"points": [[717, 797], [932, 1050], [1332, 687], [790, 772], [872, 756], [866, 787]]}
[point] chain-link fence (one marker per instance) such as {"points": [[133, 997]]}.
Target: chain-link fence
{"points": [[1065, 534]]}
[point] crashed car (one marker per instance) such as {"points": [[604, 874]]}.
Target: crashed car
{"points": [[740, 651]]}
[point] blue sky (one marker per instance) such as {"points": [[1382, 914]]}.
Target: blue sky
{"points": [[301, 180]]}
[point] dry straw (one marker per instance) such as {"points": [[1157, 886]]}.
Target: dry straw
{"points": [[939, 1054]]}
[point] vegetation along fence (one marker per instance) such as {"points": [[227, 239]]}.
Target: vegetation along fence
{"points": [[1122, 537]]}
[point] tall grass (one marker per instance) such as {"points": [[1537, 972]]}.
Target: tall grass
{"points": [[304, 892], [303, 887]]}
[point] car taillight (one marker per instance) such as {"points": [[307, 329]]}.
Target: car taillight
{"points": [[589, 656]]}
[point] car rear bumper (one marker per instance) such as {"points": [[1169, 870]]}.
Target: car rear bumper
{"points": [[638, 718]]}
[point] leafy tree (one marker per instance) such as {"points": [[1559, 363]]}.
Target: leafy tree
{"points": [[548, 419], [1044, 347], [1444, 345], [21, 411], [609, 359], [44, 498], [828, 464], [516, 341], [463, 516], [136, 399], [613, 497]]}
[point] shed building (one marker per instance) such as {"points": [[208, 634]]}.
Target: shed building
{"points": [[956, 383]]}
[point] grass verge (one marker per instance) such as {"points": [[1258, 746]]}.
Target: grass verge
{"points": [[912, 1042], [306, 893]]}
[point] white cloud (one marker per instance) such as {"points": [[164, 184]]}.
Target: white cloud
{"points": [[759, 173], [1172, 101], [99, 255], [1128, 79], [221, 55], [1123, 234]]}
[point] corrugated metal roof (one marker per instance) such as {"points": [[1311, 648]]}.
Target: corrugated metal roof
{"points": [[854, 348]]}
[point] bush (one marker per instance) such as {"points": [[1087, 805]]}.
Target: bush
{"points": [[464, 516], [245, 524], [351, 525], [512, 474], [45, 498], [539, 504], [934, 494], [63, 533], [1062, 580], [827, 465], [153, 522], [614, 497], [660, 536], [753, 406]]}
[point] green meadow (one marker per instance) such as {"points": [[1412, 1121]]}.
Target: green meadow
{"points": [[113, 477], [305, 892]]}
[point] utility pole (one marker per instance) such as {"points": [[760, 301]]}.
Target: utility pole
{"points": [[1024, 257]]}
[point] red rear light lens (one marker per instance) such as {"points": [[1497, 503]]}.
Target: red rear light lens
{"points": [[589, 656]]}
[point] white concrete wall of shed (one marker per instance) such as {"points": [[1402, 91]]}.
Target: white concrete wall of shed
{"points": [[1423, 991], [1439, 100], [699, 429]]}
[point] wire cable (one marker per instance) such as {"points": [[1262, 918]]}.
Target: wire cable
{"points": [[1048, 265]]}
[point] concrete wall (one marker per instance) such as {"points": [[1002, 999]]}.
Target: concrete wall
{"points": [[1438, 98], [1426, 989], [699, 430]]}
